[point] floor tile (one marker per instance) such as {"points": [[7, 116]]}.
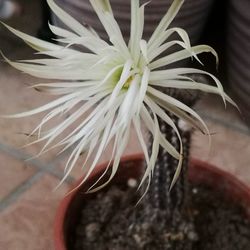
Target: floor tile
{"points": [[230, 150], [28, 223], [13, 173], [14, 95], [211, 107], [14, 131]]}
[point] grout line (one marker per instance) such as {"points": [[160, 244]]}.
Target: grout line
{"points": [[40, 166], [242, 130], [18, 191], [14, 195], [41, 170], [18, 154]]}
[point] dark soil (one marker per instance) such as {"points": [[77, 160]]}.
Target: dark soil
{"points": [[112, 222]]}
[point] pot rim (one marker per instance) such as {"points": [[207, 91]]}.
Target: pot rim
{"points": [[242, 191], [59, 239]]}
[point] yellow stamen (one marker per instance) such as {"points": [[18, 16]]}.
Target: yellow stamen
{"points": [[128, 82]]}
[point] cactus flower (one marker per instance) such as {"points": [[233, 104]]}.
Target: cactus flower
{"points": [[112, 85]]}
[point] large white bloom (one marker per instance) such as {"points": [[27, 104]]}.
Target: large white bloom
{"points": [[118, 82]]}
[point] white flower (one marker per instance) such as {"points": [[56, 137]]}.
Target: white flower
{"points": [[117, 82]]}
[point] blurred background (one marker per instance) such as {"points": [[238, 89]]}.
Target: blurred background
{"points": [[27, 200]]}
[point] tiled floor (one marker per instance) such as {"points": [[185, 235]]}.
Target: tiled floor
{"points": [[27, 200]]}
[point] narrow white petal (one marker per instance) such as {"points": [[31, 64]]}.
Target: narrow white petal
{"points": [[180, 55], [45, 107], [137, 125], [106, 17], [143, 88], [34, 42], [177, 103], [165, 35], [163, 142], [174, 102], [156, 52], [62, 32], [136, 29], [129, 105], [166, 20], [123, 78], [68, 20], [157, 110], [144, 50], [70, 120], [122, 138], [155, 151], [174, 73], [179, 84]]}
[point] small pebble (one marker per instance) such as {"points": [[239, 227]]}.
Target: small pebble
{"points": [[195, 190], [192, 236], [132, 183], [137, 239], [184, 126], [92, 231]]}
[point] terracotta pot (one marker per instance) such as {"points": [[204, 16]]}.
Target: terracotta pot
{"points": [[199, 172], [69, 210]]}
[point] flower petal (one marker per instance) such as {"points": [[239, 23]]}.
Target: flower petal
{"points": [[166, 20], [180, 55]]}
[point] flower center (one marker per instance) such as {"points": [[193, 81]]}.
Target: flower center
{"points": [[128, 82]]}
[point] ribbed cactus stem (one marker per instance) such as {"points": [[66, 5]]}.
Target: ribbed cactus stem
{"points": [[159, 195], [161, 219]]}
